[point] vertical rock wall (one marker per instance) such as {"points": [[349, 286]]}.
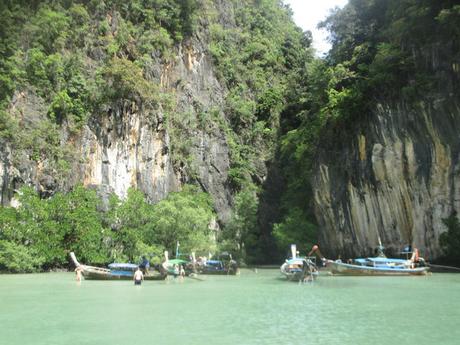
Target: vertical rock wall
{"points": [[125, 146], [130, 148], [123, 150], [397, 178]]}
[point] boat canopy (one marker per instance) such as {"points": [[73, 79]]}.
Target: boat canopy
{"points": [[177, 261], [123, 266], [387, 260], [380, 261], [214, 263]]}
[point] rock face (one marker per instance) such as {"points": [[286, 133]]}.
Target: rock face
{"points": [[123, 150], [130, 147], [16, 166], [397, 178]]}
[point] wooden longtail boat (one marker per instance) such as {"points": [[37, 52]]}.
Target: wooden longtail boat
{"points": [[376, 267], [224, 265], [299, 268], [380, 265], [116, 271], [173, 267], [179, 267], [218, 267]]}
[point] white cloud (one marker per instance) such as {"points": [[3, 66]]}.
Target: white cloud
{"points": [[307, 15]]}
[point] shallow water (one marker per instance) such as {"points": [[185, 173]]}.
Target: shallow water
{"points": [[253, 308]]}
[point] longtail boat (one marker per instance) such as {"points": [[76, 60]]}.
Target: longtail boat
{"points": [[380, 265], [179, 267], [218, 267], [299, 268], [376, 267], [224, 265], [117, 271]]}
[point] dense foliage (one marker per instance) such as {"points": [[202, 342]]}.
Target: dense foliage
{"points": [[382, 50], [80, 58], [258, 59], [450, 240], [77, 59], [40, 233]]}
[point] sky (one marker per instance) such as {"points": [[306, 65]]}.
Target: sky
{"points": [[307, 15]]}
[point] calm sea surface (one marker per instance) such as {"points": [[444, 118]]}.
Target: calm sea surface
{"points": [[253, 308]]}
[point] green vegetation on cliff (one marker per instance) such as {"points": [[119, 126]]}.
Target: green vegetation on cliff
{"points": [[81, 58], [258, 57], [450, 240], [382, 50], [78, 60]]}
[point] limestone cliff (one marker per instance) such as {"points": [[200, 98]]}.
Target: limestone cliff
{"points": [[130, 147], [397, 178]]}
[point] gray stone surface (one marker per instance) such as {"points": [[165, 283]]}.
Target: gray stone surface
{"points": [[397, 178], [130, 147]]}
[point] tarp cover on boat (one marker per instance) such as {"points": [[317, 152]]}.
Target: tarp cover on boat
{"points": [[123, 266], [387, 260], [381, 260]]}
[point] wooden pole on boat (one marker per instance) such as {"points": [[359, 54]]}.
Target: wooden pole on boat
{"points": [[74, 259], [194, 262], [165, 264], [293, 251]]}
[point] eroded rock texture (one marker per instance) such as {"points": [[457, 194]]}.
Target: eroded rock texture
{"points": [[396, 178]]}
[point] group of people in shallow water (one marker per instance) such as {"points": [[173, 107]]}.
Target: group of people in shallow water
{"points": [[179, 270]]}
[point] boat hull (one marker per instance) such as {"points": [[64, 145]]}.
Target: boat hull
{"points": [[99, 273], [294, 276], [218, 268], [218, 272], [95, 273], [340, 268], [304, 270]]}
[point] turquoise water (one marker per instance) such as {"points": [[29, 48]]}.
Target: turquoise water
{"points": [[253, 308]]}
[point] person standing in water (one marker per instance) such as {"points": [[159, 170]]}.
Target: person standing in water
{"points": [[138, 277], [145, 265], [78, 271]]}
